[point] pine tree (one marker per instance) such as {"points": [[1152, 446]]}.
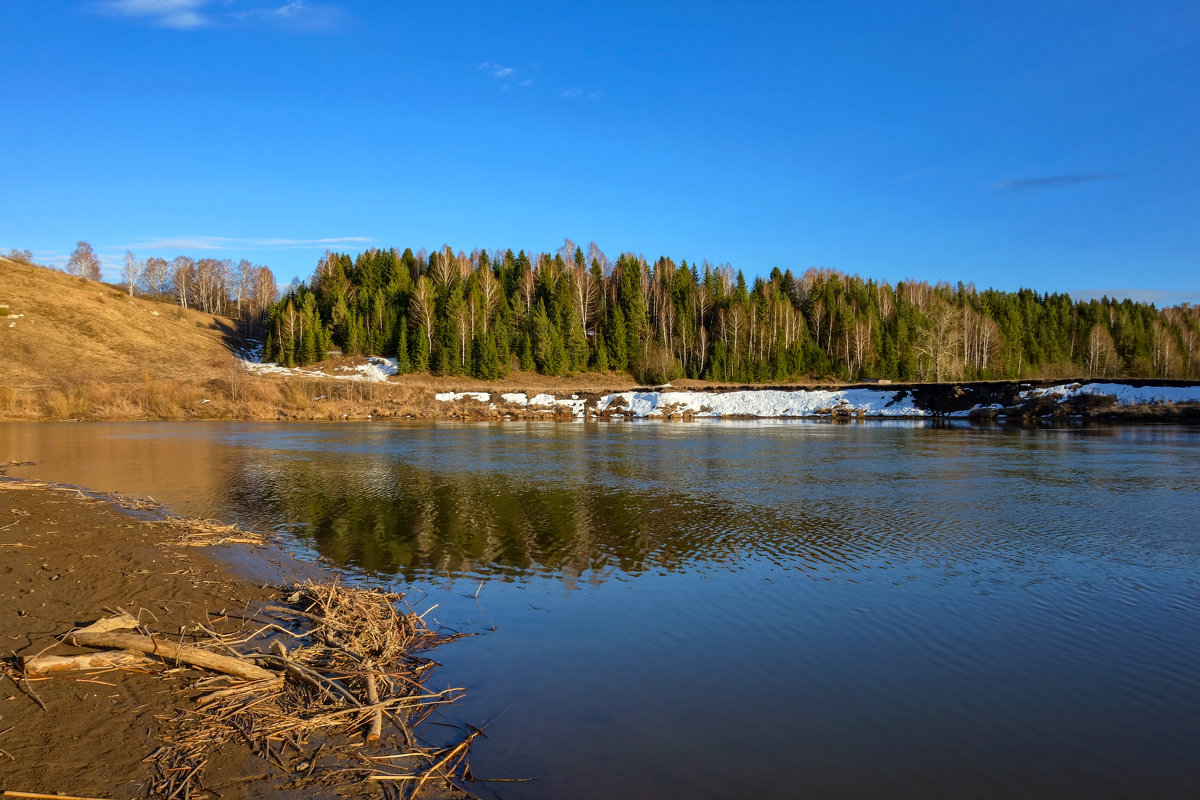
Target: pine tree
{"points": [[576, 342], [308, 345], [618, 353], [601, 359], [556, 357], [541, 338], [403, 364], [420, 350], [527, 362]]}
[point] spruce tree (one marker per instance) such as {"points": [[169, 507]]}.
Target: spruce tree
{"points": [[308, 345], [541, 338], [403, 364], [618, 352], [420, 350], [527, 363]]}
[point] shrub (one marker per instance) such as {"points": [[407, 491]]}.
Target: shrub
{"points": [[657, 366]]}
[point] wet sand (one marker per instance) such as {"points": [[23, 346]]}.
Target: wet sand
{"points": [[66, 558]]}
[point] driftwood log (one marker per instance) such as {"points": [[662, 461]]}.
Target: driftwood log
{"points": [[375, 728], [182, 654], [113, 659]]}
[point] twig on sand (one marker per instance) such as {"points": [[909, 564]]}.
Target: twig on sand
{"points": [[40, 796], [353, 666]]}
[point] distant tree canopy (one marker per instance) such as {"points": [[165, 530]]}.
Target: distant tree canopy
{"points": [[484, 315]]}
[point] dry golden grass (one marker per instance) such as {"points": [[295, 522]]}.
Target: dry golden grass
{"points": [[84, 331]]}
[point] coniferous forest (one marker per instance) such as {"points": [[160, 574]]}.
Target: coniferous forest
{"points": [[484, 315]]}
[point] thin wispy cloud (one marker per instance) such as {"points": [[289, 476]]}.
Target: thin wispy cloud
{"points": [[497, 71], [178, 14], [575, 94], [916, 173], [297, 16], [507, 77], [231, 243], [1051, 182]]}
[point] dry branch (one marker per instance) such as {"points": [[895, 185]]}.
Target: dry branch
{"points": [[117, 659], [376, 726], [352, 664], [121, 622], [40, 796], [184, 654]]}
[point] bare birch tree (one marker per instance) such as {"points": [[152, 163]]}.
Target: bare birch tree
{"points": [[184, 277], [84, 262], [129, 271], [154, 275]]}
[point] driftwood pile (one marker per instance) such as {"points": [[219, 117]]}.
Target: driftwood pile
{"points": [[329, 688]]}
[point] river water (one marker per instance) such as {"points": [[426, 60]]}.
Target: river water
{"points": [[749, 609]]}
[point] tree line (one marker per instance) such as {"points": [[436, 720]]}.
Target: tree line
{"points": [[560, 313], [240, 290]]}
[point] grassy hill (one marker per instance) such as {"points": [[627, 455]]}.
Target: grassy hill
{"points": [[72, 348], [63, 328]]}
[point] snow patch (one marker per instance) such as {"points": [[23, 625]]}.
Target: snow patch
{"points": [[376, 370], [1126, 395], [450, 397], [765, 403]]}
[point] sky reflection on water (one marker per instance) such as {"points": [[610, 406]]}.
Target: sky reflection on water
{"points": [[769, 610]]}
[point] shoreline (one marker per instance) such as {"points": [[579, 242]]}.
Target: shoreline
{"points": [[71, 557], [264, 399]]}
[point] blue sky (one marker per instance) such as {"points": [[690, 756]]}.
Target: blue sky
{"points": [[1042, 144]]}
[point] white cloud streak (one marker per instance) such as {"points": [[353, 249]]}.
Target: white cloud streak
{"points": [[231, 243], [296, 16], [178, 14], [498, 72], [1051, 182]]}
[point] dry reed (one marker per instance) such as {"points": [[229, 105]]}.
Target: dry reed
{"points": [[348, 664]]}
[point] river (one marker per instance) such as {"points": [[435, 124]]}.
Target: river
{"points": [[770, 609]]}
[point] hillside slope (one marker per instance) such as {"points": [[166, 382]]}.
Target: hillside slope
{"points": [[62, 328]]}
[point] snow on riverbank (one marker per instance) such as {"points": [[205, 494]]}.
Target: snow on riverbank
{"points": [[375, 370], [771, 403], [1126, 395], [450, 397], [539, 402], [763, 403], [758, 403]]}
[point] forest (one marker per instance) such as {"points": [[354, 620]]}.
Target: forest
{"points": [[562, 313]]}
